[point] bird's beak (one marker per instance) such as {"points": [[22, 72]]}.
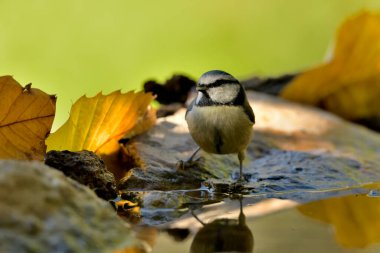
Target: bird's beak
{"points": [[201, 88]]}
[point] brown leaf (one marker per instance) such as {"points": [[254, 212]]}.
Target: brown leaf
{"points": [[26, 117]]}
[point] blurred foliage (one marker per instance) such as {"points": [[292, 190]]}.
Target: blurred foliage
{"points": [[72, 47], [354, 217], [349, 83], [26, 117]]}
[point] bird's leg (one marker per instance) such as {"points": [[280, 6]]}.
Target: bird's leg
{"points": [[196, 217], [241, 214], [192, 156], [241, 156]]}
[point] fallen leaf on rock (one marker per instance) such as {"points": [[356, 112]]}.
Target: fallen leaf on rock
{"points": [[349, 84], [26, 117], [122, 159], [130, 211], [97, 124], [354, 217], [143, 124]]}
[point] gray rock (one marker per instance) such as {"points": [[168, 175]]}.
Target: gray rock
{"points": [[295, 149], [86, 168], [41, 210]]}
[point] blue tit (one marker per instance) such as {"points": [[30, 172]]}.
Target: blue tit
{"points": [[220, 118]]}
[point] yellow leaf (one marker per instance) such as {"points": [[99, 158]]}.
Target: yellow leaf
{"points": [[26, 117], [97, 124], [349, 84], [355, 218], [95, 121]]}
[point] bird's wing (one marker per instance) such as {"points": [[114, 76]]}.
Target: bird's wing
{"points": [[190, 107], [248, 110]]}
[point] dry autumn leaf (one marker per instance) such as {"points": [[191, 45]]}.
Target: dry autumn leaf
{"points": [[349, 84], [97, 124], [26, 117], [354, 217]]}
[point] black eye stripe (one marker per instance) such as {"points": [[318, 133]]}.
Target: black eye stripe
{"points": [[218, 83]]}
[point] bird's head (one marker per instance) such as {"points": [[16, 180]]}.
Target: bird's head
{"points": [[218, 86]]}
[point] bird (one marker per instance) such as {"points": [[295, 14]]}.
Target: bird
{"points": [[220, 119]]}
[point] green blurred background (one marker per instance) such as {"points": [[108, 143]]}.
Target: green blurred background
{"points": [[71, 48]]}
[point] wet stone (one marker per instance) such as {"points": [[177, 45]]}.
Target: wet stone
{"points": [[298, 152], [86, 168]]}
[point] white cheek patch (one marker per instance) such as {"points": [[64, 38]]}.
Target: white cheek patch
{"points": [[224, 94]]}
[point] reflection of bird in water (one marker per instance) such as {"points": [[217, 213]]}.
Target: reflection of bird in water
{"points": [[223, 235]]}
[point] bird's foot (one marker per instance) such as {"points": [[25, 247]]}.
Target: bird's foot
{"points": [[182, 165], [241, 180], [240, 186], [237, 187]]}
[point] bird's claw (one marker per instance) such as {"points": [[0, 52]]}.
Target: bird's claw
{"points": [[180, 165], [237, 186], [241, 180]]}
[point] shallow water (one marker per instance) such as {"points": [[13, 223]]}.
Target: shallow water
{"points": [[204, 221]]}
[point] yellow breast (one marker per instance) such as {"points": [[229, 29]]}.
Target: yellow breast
{"points": [[220, 129]]}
